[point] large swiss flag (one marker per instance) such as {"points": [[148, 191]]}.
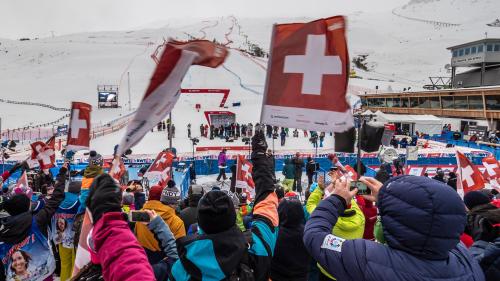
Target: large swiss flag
{"points": [[79, 127], [307, 77], [470, 178]]}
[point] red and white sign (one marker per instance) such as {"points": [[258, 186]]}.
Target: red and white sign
{"points": [[307, 77], [244, 178], [44, 153], [159, 171], [469, 175], [164, 88], [79, 127]]}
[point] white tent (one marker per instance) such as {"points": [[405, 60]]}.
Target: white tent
{"points": [[427, 124]]}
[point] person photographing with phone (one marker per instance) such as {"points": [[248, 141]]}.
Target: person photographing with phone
{"points": [[422, 221]]}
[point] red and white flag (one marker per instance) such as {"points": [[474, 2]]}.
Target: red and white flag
{"points": [[470, 178], [244, 178], [163, 91], [22, 186], [307, 77], [351, 173], [492, 168], [79, 127], [117, 168], [44, 153], [159, 171]]}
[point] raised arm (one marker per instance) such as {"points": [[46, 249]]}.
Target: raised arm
{"points": [[44, 217]]}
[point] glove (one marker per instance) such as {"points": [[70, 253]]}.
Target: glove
{"points": [[104, 196], [259, 144]]}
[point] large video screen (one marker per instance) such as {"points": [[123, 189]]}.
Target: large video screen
{"points": [[108, 99], [222, 119]]}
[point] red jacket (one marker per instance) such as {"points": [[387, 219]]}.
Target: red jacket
{"points": [[370, 213], [117, 250]]}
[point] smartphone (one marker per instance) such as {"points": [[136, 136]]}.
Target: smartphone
{"points": [[362, 188], [139, 216]]}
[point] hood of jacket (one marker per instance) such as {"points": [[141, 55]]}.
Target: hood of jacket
{"points": [[13, 229], [211, 256], [291, 214], [421, 216]]}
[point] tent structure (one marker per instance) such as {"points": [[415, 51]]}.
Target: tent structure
{"points": [[428, 124]]}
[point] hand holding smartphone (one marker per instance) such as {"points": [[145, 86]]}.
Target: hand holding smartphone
{"points": [[139, 216], [362, 188]]}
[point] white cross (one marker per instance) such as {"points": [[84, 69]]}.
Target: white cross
{"points": [[245, 168], [313, 64], [467, 173], [162, 160], [77, 124], [45, 156], [490, 168]]}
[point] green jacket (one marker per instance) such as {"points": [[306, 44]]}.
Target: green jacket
{"points": [[289, 169]]}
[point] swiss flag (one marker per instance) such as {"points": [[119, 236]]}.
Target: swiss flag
{"points": [[44, 153], [492, 169], [307, 77], [117, 168], [244, 178], [160, 169], [163, 90], [351, 173], [470, 177], [79, 127]]}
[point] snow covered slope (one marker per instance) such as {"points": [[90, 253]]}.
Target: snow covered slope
{"points": [[402, 52]]}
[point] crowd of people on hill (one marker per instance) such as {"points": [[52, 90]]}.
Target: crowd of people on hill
{"points": [[404, 228]]}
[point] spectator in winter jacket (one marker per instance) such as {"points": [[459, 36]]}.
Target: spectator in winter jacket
{"points": [[222, 162], [114, 246], [190, 214], [310, 170], [350, 225], [220, 248], [145, 237], [24, 237], [62, 229], [419, 246], [452, 180], [93, 170], [289, 173], [481, 217], [488, 256], [291, 259], [299, 165], [135, 186]]}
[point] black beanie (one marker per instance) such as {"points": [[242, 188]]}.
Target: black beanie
{"points": [[475, 198], [16, 205], [216, 212]]}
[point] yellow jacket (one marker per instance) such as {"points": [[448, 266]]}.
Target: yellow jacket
{"points": [[146, 238]]}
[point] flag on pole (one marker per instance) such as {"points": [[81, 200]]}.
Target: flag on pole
{"points": [[163, 90], [159, 171], [79, 127], [117, 168], [307, 77], [44, 153], [469, 176], [244, 178], [492, 168]]}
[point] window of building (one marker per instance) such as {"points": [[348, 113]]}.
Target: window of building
{"points": [[396, 102], [380, 102], [475, 102], [364, 101], [489, 48], [423, 102], [414, 102], [455, 53], [461, 52], [480, 48], [467, 51], [447, 102], [460, 103], [405, 102], [492, 102], [473, 50], [497, 48], [434, 101], [389, 102]]}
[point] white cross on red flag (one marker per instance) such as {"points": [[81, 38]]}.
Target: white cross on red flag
{"points": [[469, 175], [44, 153], [163, 91], [492, 168], [244, 178], [351, 173], [307, 77], [117, 168], [79, 127], [160, 169]]}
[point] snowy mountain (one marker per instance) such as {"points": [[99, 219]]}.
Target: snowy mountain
{"points": [[402, 48]]}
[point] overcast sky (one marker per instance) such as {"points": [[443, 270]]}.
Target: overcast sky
{"points": [[30, 18]]}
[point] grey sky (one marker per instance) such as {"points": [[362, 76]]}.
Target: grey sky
{"points": [[30, 18]]}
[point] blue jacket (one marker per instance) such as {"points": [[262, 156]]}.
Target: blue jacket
{"points": [[422, 221], [488, 256]]}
